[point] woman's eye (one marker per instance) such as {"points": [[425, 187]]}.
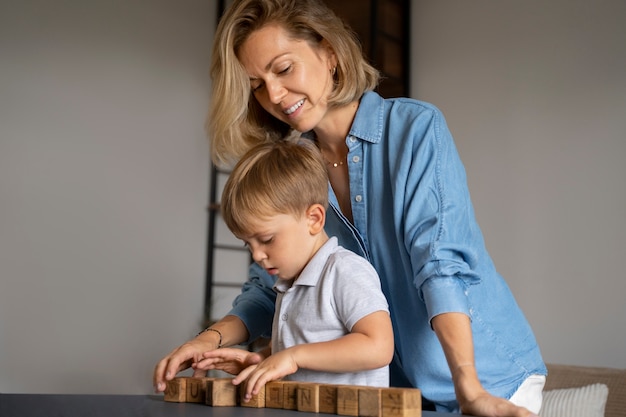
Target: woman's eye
{"points": [[285, 70], [256, 87]]}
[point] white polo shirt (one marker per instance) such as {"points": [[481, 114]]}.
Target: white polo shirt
{"points": [[335, 290]]}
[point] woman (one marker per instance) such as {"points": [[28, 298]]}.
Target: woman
{"points": [[398, 197]]}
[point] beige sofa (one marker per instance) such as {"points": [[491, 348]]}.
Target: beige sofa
{"points": [[568, 376]]}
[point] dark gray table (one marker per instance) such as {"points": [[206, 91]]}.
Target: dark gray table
{"points": [[63, 405]]}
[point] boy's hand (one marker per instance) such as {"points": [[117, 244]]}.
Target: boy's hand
{"points": [[273, 368]]}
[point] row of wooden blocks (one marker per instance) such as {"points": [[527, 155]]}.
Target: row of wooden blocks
{"points": [[346, 400]]}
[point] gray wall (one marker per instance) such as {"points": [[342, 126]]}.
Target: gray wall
{"points": [[103, 189], [103, 174], [535, 95]]}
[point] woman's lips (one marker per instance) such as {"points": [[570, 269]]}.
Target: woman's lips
{"points": [[293, 108]]}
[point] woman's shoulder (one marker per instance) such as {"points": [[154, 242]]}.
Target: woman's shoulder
{"points": [[399, 103]]}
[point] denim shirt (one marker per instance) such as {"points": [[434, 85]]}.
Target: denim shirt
{"points": [[414, 221]]}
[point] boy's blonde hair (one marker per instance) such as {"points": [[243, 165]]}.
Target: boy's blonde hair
{"points": [[236, 121], [282, 177]]}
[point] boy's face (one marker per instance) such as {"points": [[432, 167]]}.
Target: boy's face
{"points": [[282, 244]]}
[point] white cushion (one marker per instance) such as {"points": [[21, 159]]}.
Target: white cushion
{"points": [[587, 401]]}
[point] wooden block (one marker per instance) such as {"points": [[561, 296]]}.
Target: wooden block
{"points": [[348, 400], [328, 399], [176, 390], [274, 394], [370, 404], [290, 395], [257, 401], [401, 402], [220, 392], [196, 390], [308, 397]]}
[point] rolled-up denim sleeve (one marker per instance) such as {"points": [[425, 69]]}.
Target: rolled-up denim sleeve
{"points": [[441, 232], [445, 295], [255, 305]]}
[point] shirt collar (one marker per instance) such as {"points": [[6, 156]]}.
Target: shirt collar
{"points": [[368, 121]]}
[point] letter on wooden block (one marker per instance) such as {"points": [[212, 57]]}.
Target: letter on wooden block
{"points": [[176, 390], [308, 397], [370, 404], [220, 392], [348, 400], [290, 395], [257, 401], [196, 390], [401, 402], [328, 399], [274, 394]]}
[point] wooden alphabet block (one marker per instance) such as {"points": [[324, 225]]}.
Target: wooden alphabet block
{"points": [[176, 390], [196, 390], [370, 404], [328, 398], [257, 401], [274, 394], [308, 395], [290, 395], [348, 400], [220, 392], [401, 402]]}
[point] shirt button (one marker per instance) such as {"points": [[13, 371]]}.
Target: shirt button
{"points": [[352, 139], [358, 198], [284, 317], [355, 159]]}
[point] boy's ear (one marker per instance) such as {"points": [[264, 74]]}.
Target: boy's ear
{"points": [[316, 217]]}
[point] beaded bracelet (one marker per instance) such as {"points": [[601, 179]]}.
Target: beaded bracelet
{"points": [[209, 329]]}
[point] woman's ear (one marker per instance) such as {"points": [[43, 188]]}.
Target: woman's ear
{"points": [[330, 55], [316, 217]]}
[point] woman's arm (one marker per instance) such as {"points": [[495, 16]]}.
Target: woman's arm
{"points": [[455, 335]]}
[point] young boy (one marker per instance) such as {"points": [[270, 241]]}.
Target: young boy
{"points": [[332, 322]]}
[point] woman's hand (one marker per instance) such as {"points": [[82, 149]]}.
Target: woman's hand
{"points": [[230, 360], [229, 331], [487, 405], [180, 359]]}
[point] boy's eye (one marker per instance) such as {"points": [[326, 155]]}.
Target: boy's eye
{"points": [[267, 241]]}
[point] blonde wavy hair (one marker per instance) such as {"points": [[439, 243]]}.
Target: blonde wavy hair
{"points": [[279, 177], [236, 121]]}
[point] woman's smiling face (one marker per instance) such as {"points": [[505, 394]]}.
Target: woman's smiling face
{"points": [[289, 78]]}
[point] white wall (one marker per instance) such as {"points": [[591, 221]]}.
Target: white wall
{"points": [[535, 94], [103, 189]]}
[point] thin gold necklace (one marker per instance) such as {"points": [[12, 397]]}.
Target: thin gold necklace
{"points": [[334, 164]]}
